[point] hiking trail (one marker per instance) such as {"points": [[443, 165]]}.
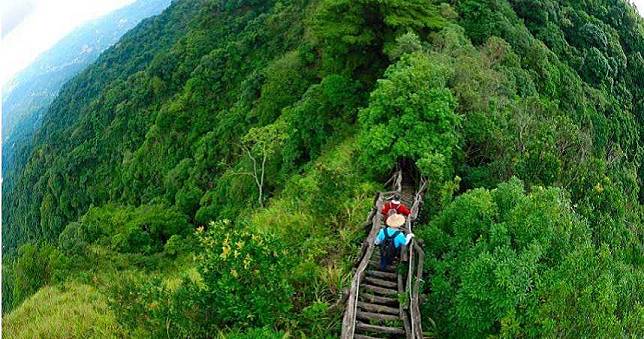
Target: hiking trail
{"points": [[385, 304]]}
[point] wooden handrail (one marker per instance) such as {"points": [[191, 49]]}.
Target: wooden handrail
{"points": [[413, 289], [414, 309]]}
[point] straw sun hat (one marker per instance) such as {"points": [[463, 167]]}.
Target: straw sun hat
{"points": [[395, 220]]}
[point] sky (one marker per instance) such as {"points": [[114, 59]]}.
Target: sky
{"points": [[640, 6], [31, 27]]}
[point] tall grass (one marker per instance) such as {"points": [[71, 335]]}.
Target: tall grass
{"points": [[70, 311]]}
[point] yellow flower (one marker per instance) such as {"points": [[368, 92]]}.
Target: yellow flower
{"points": [[225, 250], [599, 188], [234, 273], [247, 261]]}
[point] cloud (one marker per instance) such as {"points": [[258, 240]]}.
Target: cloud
{"points": [[12, 13], [640, 6], [47, 23]]}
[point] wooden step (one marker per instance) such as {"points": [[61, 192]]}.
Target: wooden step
{"points": [[379, 329], [363, 336], [376, 299], [382, 274], [380, 282], [377, 308], [380, 290], [376, 265], [377, 316]]}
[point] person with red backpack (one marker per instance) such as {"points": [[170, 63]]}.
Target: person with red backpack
{"points": [[395, 206], [390, 240]]}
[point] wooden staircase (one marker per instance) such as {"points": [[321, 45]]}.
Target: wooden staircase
{"points": [[373, 308], [379, 311]]}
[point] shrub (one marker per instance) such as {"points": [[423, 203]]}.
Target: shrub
{"points": [[72, 240], [241, 280], [174, 245], [144, 229], [35, 266], [246, 276]]}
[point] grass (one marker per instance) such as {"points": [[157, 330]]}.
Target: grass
{"points": [[70, 311]]}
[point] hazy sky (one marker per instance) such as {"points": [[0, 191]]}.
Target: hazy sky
{"points": [[30, 27], [640, 6]]}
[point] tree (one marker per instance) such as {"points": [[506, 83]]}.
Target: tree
{"points": [[260, 144], [411, 115]]}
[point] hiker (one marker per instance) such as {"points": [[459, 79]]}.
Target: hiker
{"points": [[391, 239], [394, 206]]}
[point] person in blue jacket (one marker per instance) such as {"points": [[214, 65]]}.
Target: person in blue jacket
{"points": [[391, 239]]}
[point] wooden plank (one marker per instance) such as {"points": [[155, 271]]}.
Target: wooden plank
{"points": [[379, 282], [373, 278], [380, 290], [416, 318], [362, 336], [377, 299], [404, 257], [376, 265], [373, 213], [382, 274], [379, 329], [348, 321], [377, 308], [377, 316]]}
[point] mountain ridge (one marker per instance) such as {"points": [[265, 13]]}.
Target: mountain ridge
{"points": [[524, 116]]}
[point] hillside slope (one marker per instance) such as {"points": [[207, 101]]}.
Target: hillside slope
{"points": [[36, 86], [27, 97], [211, 171]]}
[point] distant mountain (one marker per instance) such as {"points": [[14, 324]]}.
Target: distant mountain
{"points": [[30, 92]]}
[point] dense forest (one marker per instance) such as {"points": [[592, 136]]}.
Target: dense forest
{"points": [[27, 96], [210, 173]]}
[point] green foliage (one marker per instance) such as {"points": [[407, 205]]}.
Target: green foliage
{"points": [[245, 274], [406, 43], [144, 229], [241, 279], [411, 116], [507, 262], [347, 30], [315, 317], [325, 110], [174, 246], [260, 145], [73, 239], [255, 333]]}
